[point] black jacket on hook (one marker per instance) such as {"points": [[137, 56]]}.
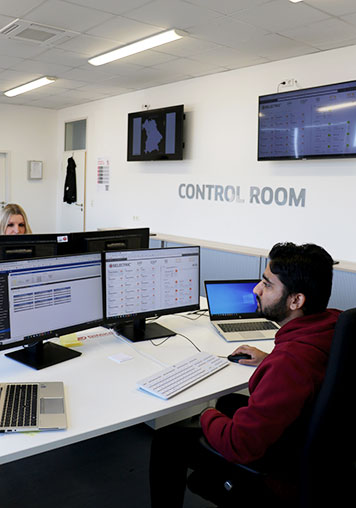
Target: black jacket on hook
{"points": [[70, 185]]}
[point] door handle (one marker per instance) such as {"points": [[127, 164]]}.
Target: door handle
{"points": [[81, 206]]}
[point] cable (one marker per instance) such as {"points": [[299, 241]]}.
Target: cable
{"points": [[184, 336]]}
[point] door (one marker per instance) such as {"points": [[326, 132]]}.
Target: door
{"points": [[4, 179], [72, 216]]}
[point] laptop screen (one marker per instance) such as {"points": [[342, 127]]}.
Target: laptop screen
{"points": [[231, 297]]}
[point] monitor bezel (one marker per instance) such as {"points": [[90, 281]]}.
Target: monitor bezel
{"points": [[179, 133], [56, 333], [34, 239], [121, 320], [83, 237], [307, 156]]}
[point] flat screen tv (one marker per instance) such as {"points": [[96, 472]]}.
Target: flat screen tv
{"points": [[156, 134], [318, 122]]}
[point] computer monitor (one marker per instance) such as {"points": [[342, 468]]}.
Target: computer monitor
{"points": [[139, 284], [45, 298], [113, 239], [31, 246]]}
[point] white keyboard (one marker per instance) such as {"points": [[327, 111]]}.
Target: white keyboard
{"points": [[168, 382]]}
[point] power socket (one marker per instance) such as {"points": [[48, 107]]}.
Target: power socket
{"points": [[289, 82]]}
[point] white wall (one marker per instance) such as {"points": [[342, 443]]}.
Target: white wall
{"points": [[31, 134], [221, 141]]}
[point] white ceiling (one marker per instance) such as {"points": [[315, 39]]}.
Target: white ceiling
{"points": [[221, 35]]}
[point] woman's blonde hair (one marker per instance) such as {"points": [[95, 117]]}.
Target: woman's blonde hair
{"points": [[5, 214]]}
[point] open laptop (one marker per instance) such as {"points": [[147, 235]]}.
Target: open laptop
{"points": [[32, 406], [233, 311]]}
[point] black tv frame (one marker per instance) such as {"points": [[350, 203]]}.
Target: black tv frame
{"points": [[303, 94], [159, 114]]}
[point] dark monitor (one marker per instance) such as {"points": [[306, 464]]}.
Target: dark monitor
{"points": [[32, 246], [156, 134], [113, 239], [45, 298], [149, 283]]}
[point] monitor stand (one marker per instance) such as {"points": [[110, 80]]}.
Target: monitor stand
{"points": [[138, 330], [43, 354]]}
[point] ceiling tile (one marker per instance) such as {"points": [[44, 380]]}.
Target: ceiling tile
{"points": [[189, 67], [280, 14], [123, 30], [60, 56], [172, 14], [18, 9], [230, 58], [228, 6], [64, 15], [87, 45], [44, 68], [14, 78], [323, 34], [112, 6], [227, 32], [335, 7]]}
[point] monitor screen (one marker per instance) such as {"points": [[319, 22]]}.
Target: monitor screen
{"points": [[45, 298], [156, 134], [149, 283], [113, 239], [314, 122], [31, 246]]}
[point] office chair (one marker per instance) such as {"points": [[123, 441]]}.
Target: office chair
{"points": [[327, 470]]}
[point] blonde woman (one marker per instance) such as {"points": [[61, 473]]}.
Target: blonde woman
{"points": [[13, 220]]}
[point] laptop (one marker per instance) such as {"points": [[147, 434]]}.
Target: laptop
{"points": [[233, 311], [35, 406]]}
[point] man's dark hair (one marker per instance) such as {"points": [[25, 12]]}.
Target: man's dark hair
{"points": [[306, 269]]}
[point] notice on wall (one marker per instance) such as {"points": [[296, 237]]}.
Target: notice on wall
{"points": [[103, 174]]}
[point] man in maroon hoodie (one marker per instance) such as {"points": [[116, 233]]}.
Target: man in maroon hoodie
{"points": [[266, 429]]}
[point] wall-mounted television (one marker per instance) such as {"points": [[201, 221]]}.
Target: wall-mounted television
{"points": [[318, 122], [156, 134]]}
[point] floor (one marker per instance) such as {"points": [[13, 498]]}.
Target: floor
{"points": [[105, 472]]}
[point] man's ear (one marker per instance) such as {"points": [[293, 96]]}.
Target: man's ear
{"points": [[297, 301]]}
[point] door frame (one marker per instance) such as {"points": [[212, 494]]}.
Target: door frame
{"points": [[6, 153]]}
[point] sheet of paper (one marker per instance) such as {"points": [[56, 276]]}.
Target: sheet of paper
{"points": [[120, 357]]}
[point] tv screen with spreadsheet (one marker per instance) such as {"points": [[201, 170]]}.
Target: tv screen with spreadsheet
{"points": [[318, 122]]}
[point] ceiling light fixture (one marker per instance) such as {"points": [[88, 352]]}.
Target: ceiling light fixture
{"points": [[29, 86], [137, 47], [295, 1]]}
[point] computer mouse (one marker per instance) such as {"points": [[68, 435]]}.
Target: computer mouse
{"points": [[239, 356]]}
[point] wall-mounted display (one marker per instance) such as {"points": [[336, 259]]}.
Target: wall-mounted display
{"points": [[318, 122], [156, 134]]}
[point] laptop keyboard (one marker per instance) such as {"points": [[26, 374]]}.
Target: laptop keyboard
{"points": [[248, 327], [20, 408]]}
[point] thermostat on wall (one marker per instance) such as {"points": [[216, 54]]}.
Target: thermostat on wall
{"points": [[35, 170]]}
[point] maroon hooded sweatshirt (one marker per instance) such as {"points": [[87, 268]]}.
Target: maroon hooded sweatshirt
{"points": [[283, 385]]}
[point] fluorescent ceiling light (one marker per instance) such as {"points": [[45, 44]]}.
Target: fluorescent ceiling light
{"points": [[295, 1], [137, 47], [29, 86]]}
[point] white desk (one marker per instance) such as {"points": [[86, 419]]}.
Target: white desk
{"points": [[101, 394]]}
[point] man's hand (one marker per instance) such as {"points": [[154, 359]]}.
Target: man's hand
{"points": [[256, 355]]}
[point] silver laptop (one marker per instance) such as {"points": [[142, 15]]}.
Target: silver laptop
{"points": [[233, 311], [32, 406]]}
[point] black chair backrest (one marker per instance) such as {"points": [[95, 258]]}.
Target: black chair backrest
{"points": [[328, 461]]}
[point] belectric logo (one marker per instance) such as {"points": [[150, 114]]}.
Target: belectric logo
{"points": [[280, 196]]}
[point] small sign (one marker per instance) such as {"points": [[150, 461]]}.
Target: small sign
{"points": [[35, 170]]}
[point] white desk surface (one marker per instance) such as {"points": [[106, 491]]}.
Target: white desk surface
{"points": [[101, 394]]}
